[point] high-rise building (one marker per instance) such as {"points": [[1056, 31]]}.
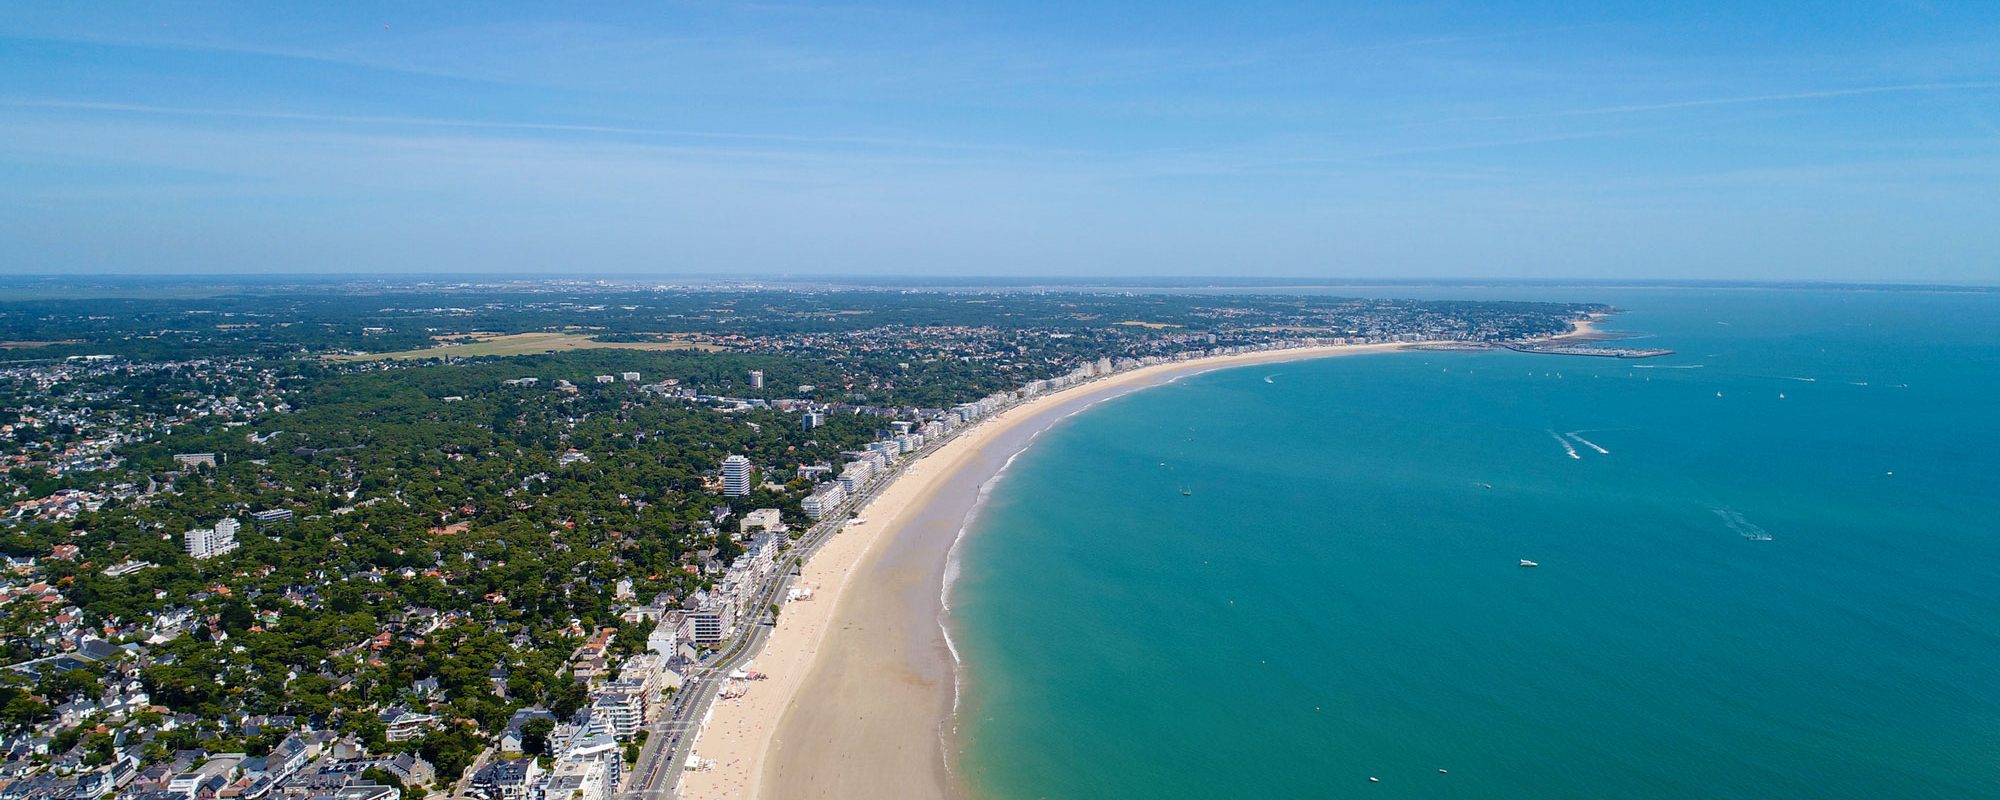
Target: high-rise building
{"points": [[619, 713], [200, 542], [735, 476], [212, 542], [813, 419], [707, 625], [756, 379]]}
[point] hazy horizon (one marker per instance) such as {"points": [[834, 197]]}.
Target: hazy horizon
{"points": [[1450, 142]]}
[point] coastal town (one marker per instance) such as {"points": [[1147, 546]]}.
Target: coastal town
{"points": [[299, 575]]}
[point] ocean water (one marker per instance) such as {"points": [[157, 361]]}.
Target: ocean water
{"points": [[1770, 570]]}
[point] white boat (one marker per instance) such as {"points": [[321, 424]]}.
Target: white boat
{"points": [[1527, 563]]}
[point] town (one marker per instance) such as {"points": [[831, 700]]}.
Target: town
{"points": [[281, 570]]}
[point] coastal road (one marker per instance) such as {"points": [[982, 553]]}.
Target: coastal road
{"points": [[670, 739]]}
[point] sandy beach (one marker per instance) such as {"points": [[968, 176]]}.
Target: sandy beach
{"points": [[859, 694]]}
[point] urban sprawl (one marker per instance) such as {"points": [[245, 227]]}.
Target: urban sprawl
{"points": [[337, 542]]}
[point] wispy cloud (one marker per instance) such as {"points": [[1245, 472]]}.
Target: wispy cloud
{"points": [[442, 122], [1784, 97]]}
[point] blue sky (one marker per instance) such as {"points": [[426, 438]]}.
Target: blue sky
{"points": [[1761, 140]]}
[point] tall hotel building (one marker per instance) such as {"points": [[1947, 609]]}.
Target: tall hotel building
{"points": [[735, 476]]}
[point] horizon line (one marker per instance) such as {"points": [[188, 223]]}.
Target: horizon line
{"points": [[1126, 281]]}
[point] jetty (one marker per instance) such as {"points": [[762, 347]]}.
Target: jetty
{"points": [[1590, 350], [1549, 348]]}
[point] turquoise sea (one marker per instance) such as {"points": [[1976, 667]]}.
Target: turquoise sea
{"points": [[1339, 597]]}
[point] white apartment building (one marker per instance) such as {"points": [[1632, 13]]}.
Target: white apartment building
{"points": [[590, 770], [824, 500], [665, 637], [763, 519], [735, 476], [211, 542], [855, 475], [620, 713], [710, 615], [706, 626]]}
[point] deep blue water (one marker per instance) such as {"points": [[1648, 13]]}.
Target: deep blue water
{"points": [[1339, 597]]}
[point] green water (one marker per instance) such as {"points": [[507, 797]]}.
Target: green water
{"points": [[1339, 597]]}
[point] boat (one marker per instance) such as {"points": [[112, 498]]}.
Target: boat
{"points": [[1527, 563], [1187, 492]]}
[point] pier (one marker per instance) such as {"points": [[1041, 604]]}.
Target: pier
{"points": [[1588, 350], [1549, 348]]}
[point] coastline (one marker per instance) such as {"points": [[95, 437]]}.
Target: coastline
{"points": [[862, 681], [1582, 329]]}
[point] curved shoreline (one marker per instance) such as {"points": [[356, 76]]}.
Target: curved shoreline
{"points": [[863, 681]]}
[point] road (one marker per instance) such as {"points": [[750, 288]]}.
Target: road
{"points": [[670, 739]]}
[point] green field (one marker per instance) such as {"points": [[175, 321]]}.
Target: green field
{"points": [[515, 344]]}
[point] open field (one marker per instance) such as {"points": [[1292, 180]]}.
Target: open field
{"points": [[515, 344], [27, 345]]}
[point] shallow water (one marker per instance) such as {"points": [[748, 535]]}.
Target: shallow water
{"points": [[1337, 596]]}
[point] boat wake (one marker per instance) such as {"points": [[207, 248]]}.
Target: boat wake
{"points": [[1735, 521], [1588, 443], [1567, 447], [1267, 378]]}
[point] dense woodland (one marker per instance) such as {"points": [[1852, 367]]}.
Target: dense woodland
{"points": [[428, 493]]}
